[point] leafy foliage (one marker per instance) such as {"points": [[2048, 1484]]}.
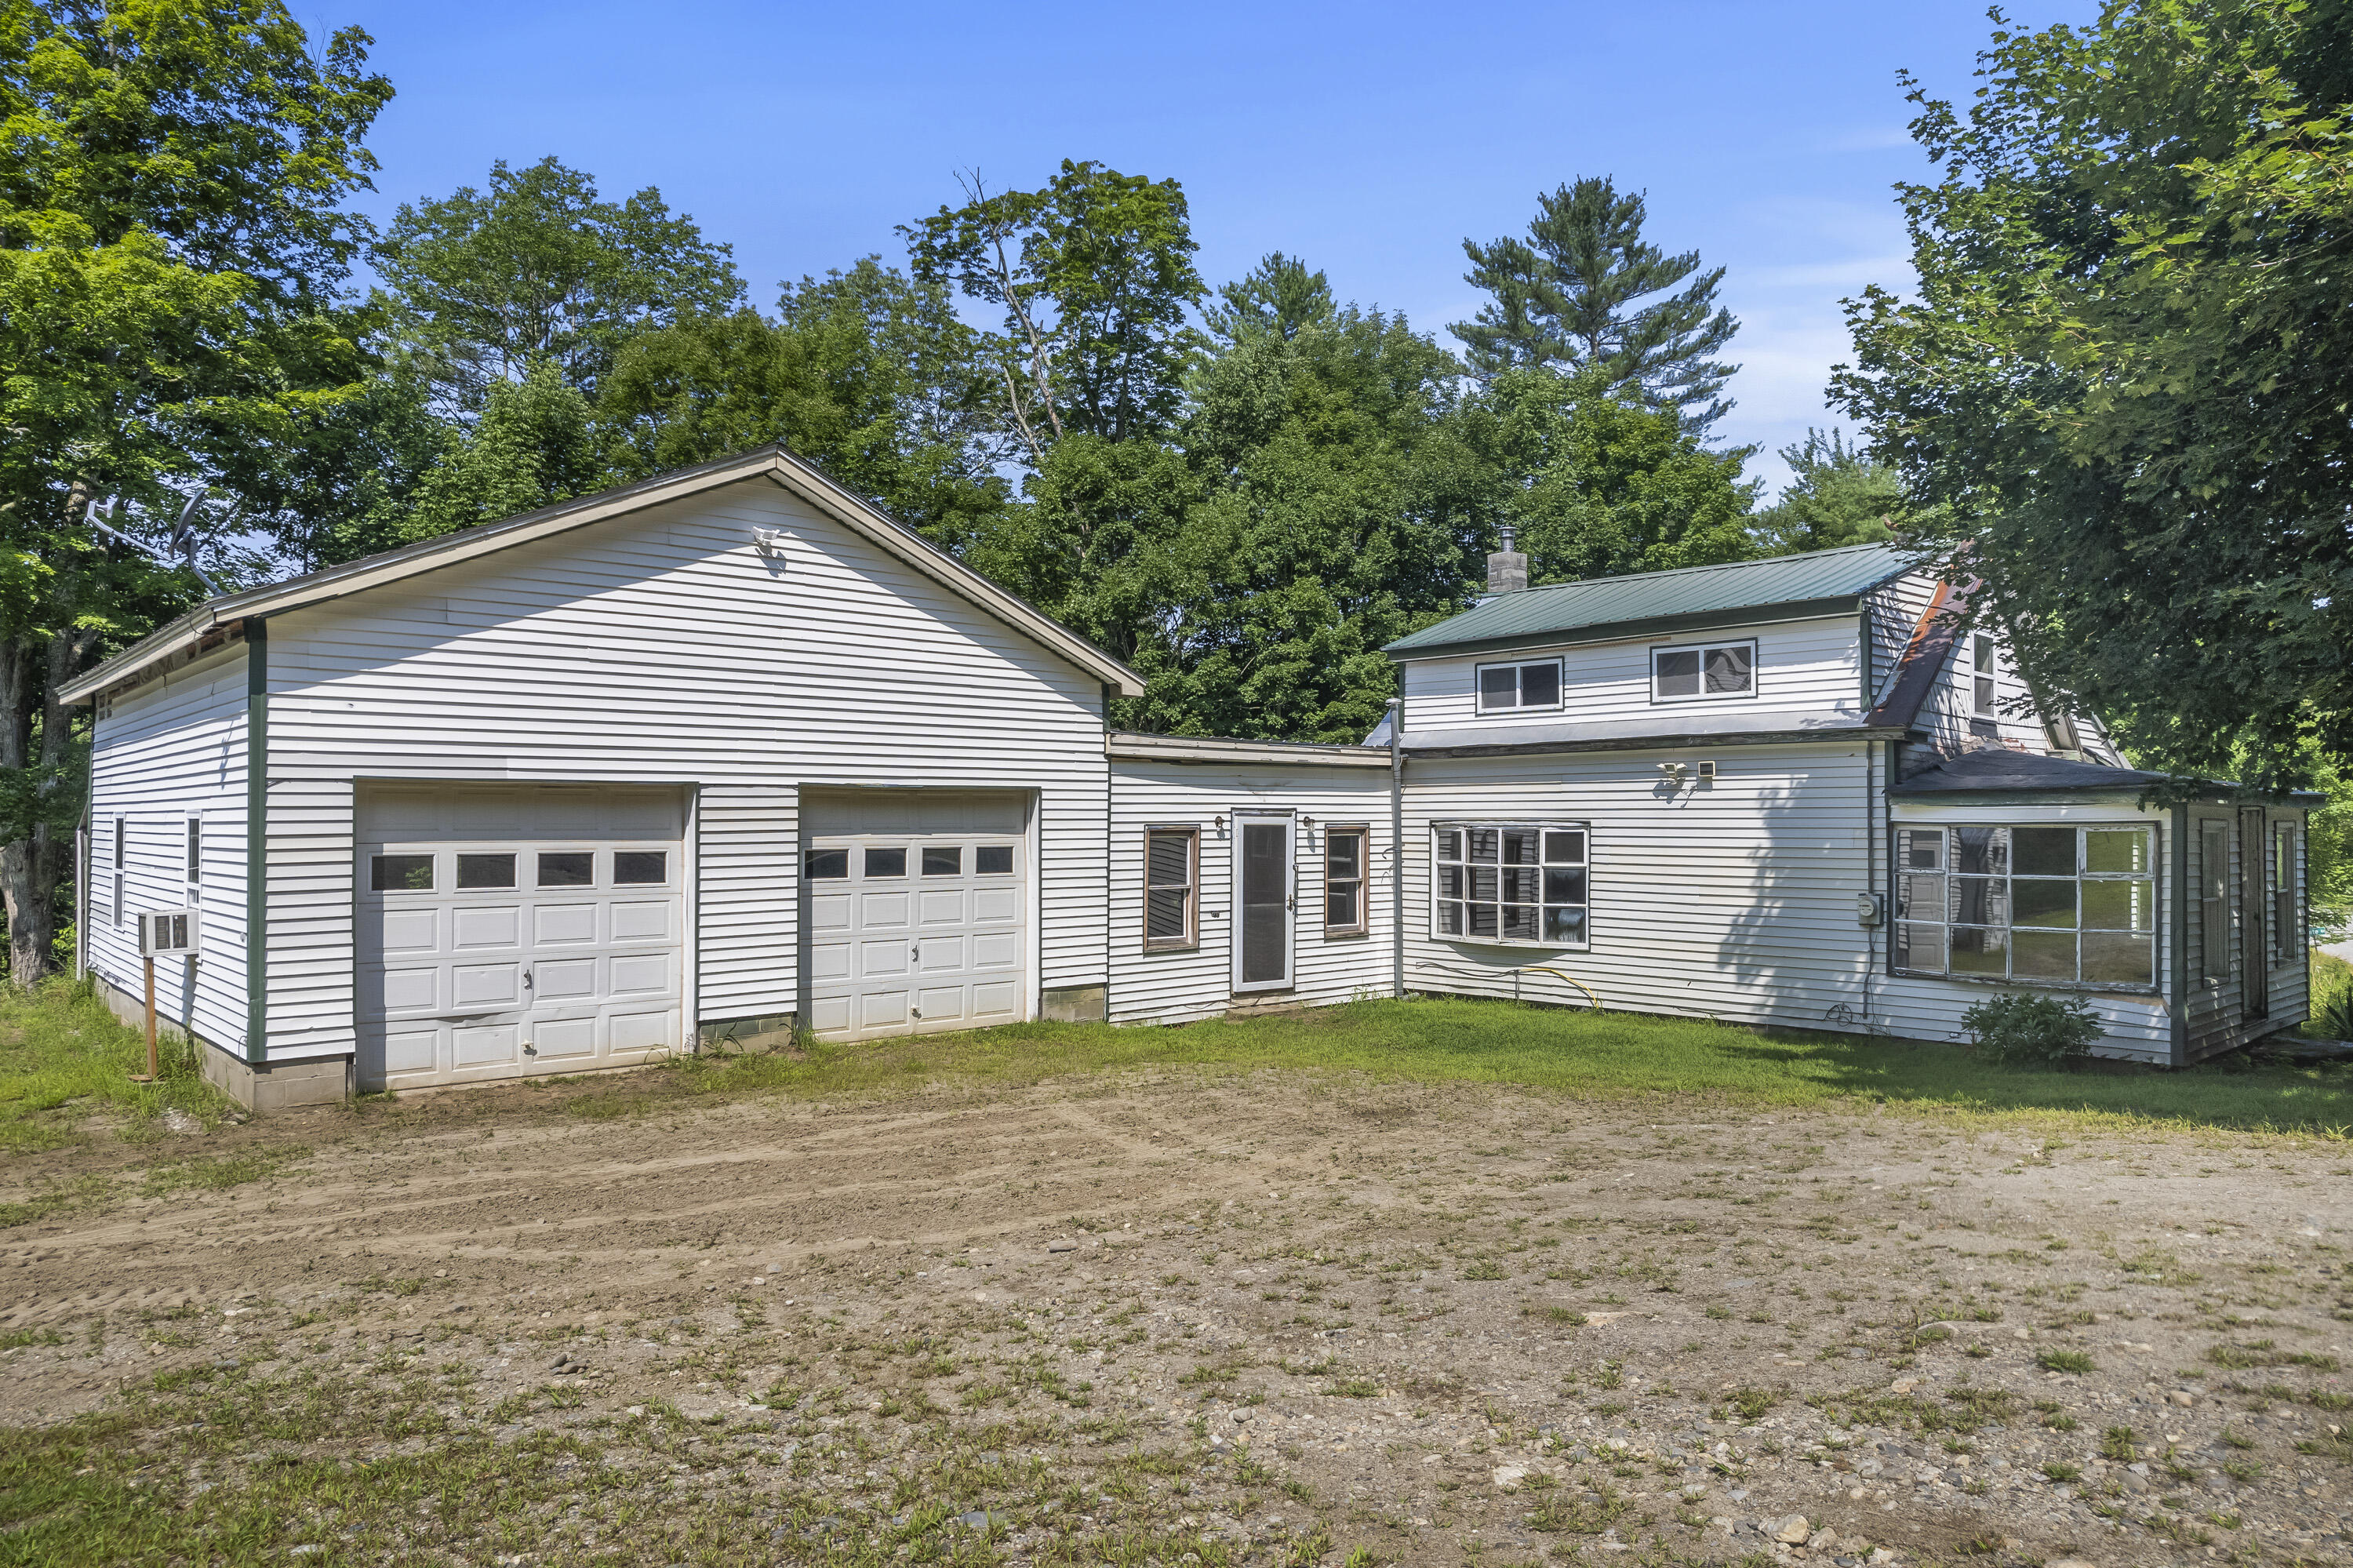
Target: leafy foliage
{"points": [[2032, 1029], [481, 285], [1837, 496], [2126, 370]]}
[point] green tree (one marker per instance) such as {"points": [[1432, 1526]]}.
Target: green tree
{"points": [[172, 236], [1566, 297], [1837, 494], [1281, 295], [1094, 275], [531, 448], [1599, 486], [865, 372], [2126, 370], [483, 285]]}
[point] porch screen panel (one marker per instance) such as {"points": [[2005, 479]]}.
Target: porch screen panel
{"points": [[2029, 903]]}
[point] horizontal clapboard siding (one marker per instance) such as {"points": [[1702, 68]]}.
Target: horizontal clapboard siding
{"points": [[1176, 987], [665, 647], [1734, 900], [1802, 666], [161, 753], [2216, 1013], [1895, 611]]}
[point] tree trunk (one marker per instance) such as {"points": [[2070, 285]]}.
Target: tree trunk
{"points": [[29, 915], [37, 740]]}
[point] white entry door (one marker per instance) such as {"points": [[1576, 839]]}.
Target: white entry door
{"points": [[1263, 900], [509, 929], [918, 911]]}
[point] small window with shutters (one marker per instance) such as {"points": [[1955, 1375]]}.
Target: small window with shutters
{"points": [[1172, 858]]}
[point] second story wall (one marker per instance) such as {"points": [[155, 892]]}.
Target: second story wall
{"points": [[1808, 666]]}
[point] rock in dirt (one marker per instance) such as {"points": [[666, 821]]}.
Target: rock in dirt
{"points": [[1061, 1247], [181, 1124], [1510, 1476], [1791, 1529]]}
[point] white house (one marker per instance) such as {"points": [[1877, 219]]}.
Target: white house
{"points": [[729, 753]]}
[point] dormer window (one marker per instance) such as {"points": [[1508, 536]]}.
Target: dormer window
{"points": [[1716, 670], [1505, 687]]}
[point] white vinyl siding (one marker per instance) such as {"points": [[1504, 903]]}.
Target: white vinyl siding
{"points": [[1801, 666], [163, 753], [663, 648], [1197, 981]]}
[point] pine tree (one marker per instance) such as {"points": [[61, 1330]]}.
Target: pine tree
{"points": [[1838, 494], [1566, 297]]}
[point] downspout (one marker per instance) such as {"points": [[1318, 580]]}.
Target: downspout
{"points": [[257, 841], [2179, 903], [1396, 847], [1871, 873], [1110, 783]]}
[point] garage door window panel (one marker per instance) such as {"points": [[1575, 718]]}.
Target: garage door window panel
{"points": [[568, 868], [400, 873], [633, 868], [476, 872]]}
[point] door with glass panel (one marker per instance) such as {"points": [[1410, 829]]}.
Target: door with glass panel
{"points": [[1263, 902]]}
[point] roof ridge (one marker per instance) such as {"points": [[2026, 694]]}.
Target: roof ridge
{"points": [[1709, 566]]}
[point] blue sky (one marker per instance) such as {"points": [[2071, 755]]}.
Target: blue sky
{"points": [[1368, 139]]}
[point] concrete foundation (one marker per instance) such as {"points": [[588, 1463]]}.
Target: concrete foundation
{"points": [[773, 1032], [271, 1086], [1074, 1004]]}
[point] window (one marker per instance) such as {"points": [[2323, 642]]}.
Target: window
{"points": [[1344, 880], [827, 864], [479, 871], [943, 861], [2036, 905], [1172, 858], [1983, 657], [2287, 927], [400, 873], [1497, 882], [1682, 674], [566, 868], [886, 863], [121, 831], [631, 867], [195, 851], [1502, 687], [992, 860], [2214, 901]]}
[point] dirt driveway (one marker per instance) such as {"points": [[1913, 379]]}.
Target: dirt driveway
{"points": [[1187, 1319]]}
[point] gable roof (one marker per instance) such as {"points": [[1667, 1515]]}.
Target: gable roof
{"points": [[776, 463], [1820, 582]]}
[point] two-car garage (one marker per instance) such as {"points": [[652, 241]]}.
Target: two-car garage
{"points": [[511, 929]]}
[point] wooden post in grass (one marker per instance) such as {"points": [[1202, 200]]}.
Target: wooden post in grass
{"points": [[153, 1071]]}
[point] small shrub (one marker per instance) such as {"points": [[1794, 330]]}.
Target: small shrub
{"points": [[2074, 1361], [2021, 1030]]}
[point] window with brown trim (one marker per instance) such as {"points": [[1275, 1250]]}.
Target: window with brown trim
{"points": [[1345, 865], [1172, 860]]}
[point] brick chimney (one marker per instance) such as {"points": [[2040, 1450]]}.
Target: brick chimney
{"points": [[1507, 569]]}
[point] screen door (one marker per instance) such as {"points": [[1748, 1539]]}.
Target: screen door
{"points": [[1262, 903]]}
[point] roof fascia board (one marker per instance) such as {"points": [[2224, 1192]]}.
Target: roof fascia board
{"points": [[1650, 742], [1626, 630], [1214, 749]]}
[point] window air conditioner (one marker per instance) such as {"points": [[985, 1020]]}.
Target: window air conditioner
{"points": [[167, 931]]}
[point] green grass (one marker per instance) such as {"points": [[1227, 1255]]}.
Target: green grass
{"points": [[64, 1058], [1590, 1056]]}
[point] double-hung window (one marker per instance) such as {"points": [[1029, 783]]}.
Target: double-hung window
{"points": [[1707, 670], [1504, 688], [1982, 658], [122, 830], [1172, 861], [2034, 905], [195, 856], [1510, 883], [1344, 880]]}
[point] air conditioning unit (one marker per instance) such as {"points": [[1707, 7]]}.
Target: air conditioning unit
{"points": [[167, 931]]}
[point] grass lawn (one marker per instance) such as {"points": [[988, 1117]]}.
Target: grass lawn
{"points": [[1589, 1056], [63, 1059]]}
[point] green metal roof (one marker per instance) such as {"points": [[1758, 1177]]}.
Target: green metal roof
{"points": [[1820, 582]]}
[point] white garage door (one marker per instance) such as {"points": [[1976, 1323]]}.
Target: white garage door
{"points": [[517, 928], [918, 912]]}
